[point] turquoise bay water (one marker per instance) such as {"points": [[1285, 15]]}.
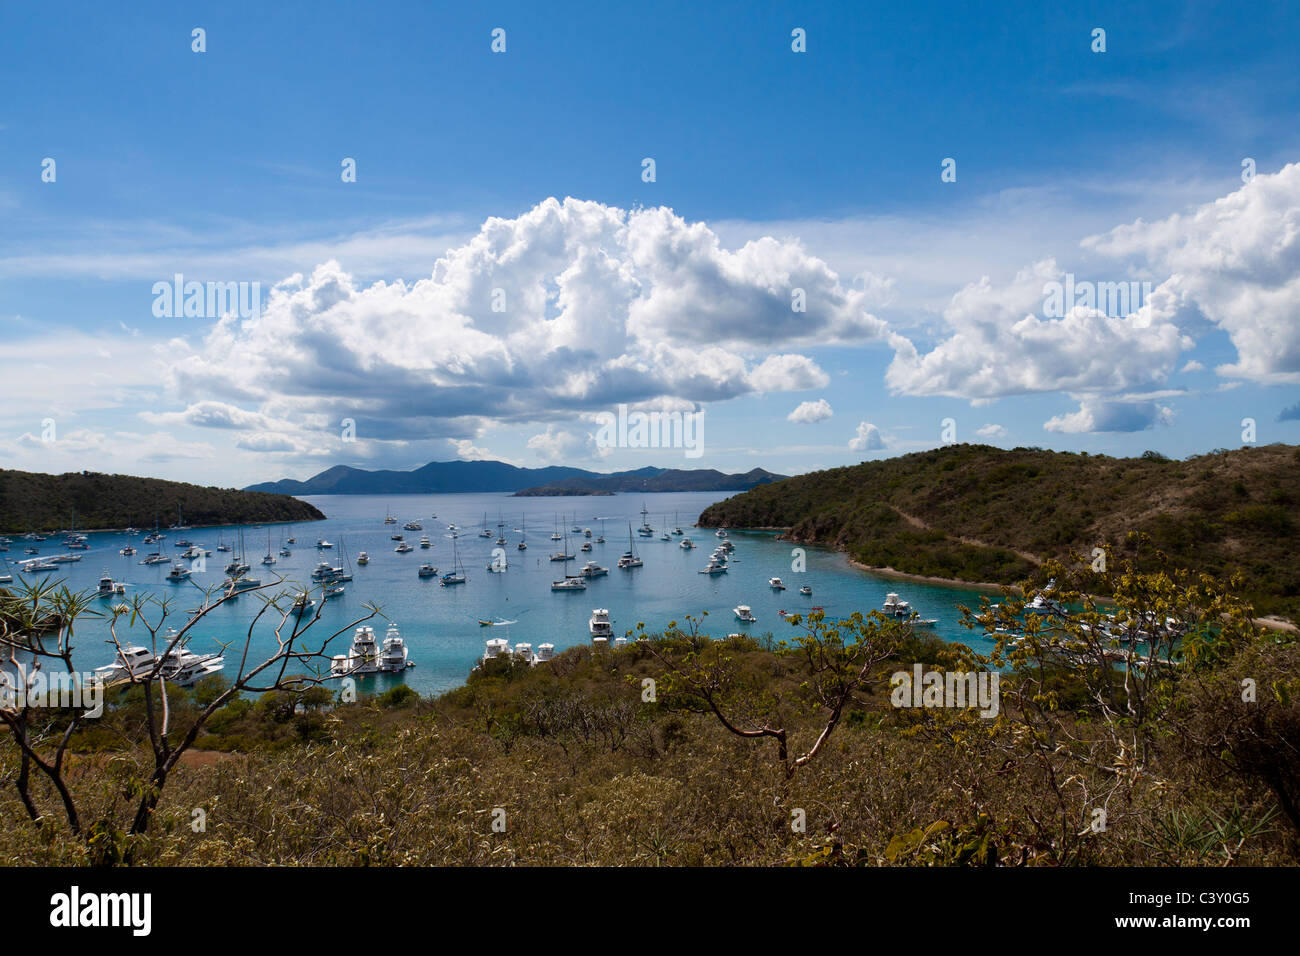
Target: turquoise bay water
{"points": [[440, 624]]}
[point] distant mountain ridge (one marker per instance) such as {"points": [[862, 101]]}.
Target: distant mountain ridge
{"points": [[672, 479], [454, 477]]}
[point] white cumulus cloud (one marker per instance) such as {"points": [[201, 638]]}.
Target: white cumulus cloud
{"points": [[574, 306], [1099, 415], [466, 450], [557, 445], [1237, 260], [809, 412], [868, 438], [1000, 344]]}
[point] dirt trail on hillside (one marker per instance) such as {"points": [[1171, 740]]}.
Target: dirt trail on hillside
{"points": [[918, 523]]}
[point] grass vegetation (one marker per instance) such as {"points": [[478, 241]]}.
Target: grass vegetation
{"points": [[581, 761]]}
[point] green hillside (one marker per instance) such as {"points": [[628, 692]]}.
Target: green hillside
{"points": [[977, 513], [31, 501]]}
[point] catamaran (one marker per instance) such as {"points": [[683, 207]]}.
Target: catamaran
{"points": [[238, 565], [485, 533], [645, 530], [630, 558]]}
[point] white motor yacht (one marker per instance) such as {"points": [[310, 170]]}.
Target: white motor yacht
{"points": [[108, 587], [131, 661], [184, 667], [362, 657], [600, 624], [395, 657]]}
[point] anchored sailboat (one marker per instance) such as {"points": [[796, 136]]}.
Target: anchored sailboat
{"points": [[630, 558], [457, 574]]}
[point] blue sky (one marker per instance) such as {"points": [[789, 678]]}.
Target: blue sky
{"points": [[774, 170]]}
